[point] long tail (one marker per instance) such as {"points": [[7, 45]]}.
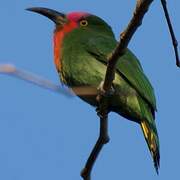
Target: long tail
{"points": [[150, 132], [151, 136]]}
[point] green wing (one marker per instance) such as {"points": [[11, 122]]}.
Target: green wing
{"points": [[128, 67]]}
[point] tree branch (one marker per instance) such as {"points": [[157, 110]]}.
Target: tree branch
{"points": [[102, 140], [140, 10], [105, 91]]}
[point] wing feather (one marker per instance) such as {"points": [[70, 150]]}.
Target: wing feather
{"points": [[128, 67]]}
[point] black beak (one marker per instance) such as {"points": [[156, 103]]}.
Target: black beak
{"points": [[57, 17]]}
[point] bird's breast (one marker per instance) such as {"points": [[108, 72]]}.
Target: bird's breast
{"points": [[58, 38], [59, 35]]}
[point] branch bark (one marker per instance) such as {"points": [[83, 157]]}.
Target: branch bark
{"points": [[102, 140], [140, 10]]}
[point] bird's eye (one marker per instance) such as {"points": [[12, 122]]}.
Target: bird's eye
{"points": [[83, 22]]}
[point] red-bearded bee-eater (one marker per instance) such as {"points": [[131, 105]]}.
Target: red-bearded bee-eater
{"points": [[82, 43]]}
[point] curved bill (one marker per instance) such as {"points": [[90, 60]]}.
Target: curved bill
{"points": [[57, 17]]}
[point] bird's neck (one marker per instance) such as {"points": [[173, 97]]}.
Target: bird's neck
{"points": [[59, 35]]}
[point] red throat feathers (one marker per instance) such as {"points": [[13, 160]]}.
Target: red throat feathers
{"points": [[58, 40], [60, 32]]}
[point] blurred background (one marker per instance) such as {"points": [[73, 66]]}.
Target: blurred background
{"points": [[44, 135]]}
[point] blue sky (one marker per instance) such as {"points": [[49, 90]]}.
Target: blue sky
{"points": [[46, 136]]}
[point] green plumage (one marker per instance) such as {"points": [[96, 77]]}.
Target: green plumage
{"points": [[84, 57]]}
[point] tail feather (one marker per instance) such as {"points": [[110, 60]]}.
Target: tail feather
{"points": [[150, 132], [152, 140]]}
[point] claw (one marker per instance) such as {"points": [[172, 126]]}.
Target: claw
{"points": [[105, 93]]}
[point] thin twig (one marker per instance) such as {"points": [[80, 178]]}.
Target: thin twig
{"points": [[174, 41], [11, 70]]}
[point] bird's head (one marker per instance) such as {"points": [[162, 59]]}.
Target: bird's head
{"points": [[81, 22], [74, 20]]}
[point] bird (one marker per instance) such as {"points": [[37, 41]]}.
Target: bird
{"points": [[82, 45]]}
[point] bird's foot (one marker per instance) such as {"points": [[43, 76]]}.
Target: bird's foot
{"points": [[105, 93]]}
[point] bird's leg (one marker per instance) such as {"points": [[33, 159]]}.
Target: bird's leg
{"points": [[102, 112]]}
